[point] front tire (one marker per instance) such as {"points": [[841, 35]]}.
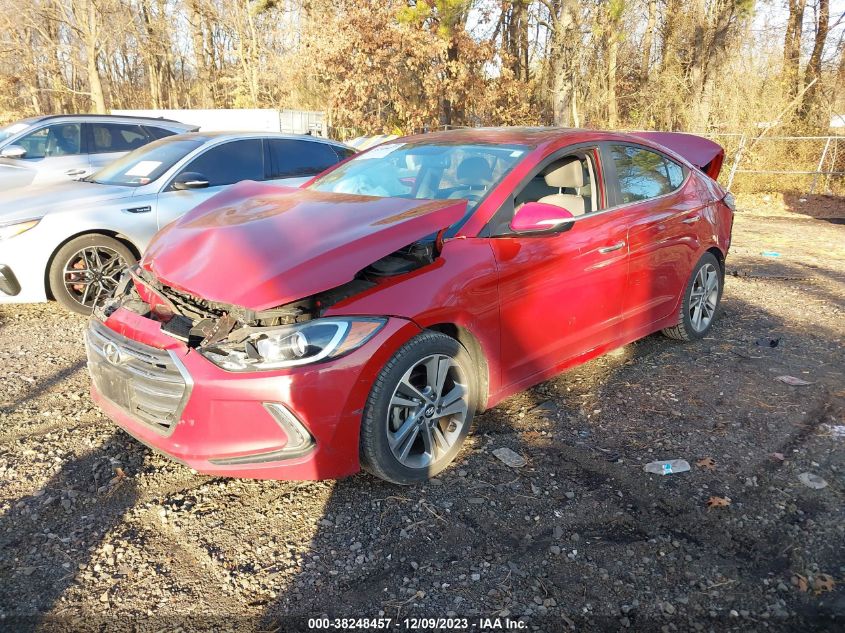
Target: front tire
{"points": [[700, 304], [419, 410], [85, 271]]}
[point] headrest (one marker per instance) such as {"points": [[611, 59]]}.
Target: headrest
{"points": [[570, 174], [474, 171]]}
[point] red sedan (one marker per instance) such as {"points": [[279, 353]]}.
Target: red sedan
{"points": [[364, 320]]}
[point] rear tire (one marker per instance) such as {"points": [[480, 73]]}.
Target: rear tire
{"points": [[700, 304], [85, 271], [419, 410]]}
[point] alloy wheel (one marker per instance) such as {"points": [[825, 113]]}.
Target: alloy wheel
{"points": [[704, 297], [428, 411], [92, 274]]}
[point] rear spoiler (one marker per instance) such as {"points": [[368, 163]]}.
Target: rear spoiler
{"points": [[701, 152]]}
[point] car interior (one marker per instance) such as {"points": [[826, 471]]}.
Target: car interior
{"points": [[566, 183]]}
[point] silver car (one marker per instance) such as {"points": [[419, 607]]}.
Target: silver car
{"points": [[49, 149], [70, 241]]}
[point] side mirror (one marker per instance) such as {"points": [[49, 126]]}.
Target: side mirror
{"points": [[13, 151], [539, 217], [190, 180]]}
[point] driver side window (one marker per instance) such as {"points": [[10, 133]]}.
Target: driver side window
{"points": [[229, 163], [566, 182], [63, 139]]}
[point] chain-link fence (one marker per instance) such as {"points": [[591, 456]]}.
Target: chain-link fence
{"points": [[808, 164]]}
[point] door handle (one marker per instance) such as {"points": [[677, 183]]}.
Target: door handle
{"points": [[692, 219], [609, 249], [75, 172]]}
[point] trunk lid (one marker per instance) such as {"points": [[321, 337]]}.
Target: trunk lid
{"points": [[259, 246], [705, 154]]}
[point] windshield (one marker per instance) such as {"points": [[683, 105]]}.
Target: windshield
{"points": [[424, 170], [12, 129], [145, 164]]}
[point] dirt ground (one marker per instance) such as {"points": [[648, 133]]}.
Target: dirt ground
{"points": [[97, 532]]}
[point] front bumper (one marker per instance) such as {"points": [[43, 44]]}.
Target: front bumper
{"points": [[26, 257], [232, 424]]}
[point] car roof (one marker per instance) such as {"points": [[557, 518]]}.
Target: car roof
{"points": [[107, 117], [232, 135], [531, 136]]}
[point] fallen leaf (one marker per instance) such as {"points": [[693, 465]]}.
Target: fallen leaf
{"points": [[799, 582], [718, 502], [840, 393], [792, 380], [778, 457], [708, 463], [119, 472], [823, 583]]}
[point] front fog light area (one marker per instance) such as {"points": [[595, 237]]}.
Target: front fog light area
{"points": [[300, 441], [262, 349]]}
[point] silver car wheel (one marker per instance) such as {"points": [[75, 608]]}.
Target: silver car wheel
{"points": [[704, 297], [91, 274], [428, 411]]}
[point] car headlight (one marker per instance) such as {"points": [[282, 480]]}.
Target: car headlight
{"points": [[16, 228], [292, 345]]}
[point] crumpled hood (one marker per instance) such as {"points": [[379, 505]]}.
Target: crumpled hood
{"points": [[36, 201], [259, 246]]}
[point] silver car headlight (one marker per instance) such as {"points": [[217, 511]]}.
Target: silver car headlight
{"points": [[293, 345], [11, 229]]}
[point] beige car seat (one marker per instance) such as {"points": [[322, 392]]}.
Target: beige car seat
{"points": [[474, 175], [570, 175]]}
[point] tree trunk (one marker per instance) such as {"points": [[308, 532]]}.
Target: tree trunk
{"points": [[203, 76], [648, 40], [814, 66], [95, 84], [612, 54], [563, 67], [792, 45]]}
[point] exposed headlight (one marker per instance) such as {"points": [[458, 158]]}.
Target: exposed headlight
{"points": [[292, 345], [16, 228]]}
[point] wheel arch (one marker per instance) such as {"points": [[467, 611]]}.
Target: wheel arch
{"points": [[719, 255], [120, 237], [476, 352]]}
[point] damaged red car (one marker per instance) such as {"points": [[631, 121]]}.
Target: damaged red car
{"points": [[365, 319]]}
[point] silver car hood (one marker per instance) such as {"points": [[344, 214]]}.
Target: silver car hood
{"points": [[35, 201]]}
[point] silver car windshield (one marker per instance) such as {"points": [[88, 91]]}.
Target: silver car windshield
{"points": [[424, 170], [145, 164]]}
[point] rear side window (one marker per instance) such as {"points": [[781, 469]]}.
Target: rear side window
{"points": [[292, 157], [644, 174], [230, 163], [343, 152], [117, 137], [157, 132]]}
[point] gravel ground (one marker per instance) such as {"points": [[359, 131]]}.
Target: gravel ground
{"points": [[97, 532]]}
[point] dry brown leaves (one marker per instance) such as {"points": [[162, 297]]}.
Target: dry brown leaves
{"points": [[718, 502], [707, 463], [821, 583], [800, 582]]}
